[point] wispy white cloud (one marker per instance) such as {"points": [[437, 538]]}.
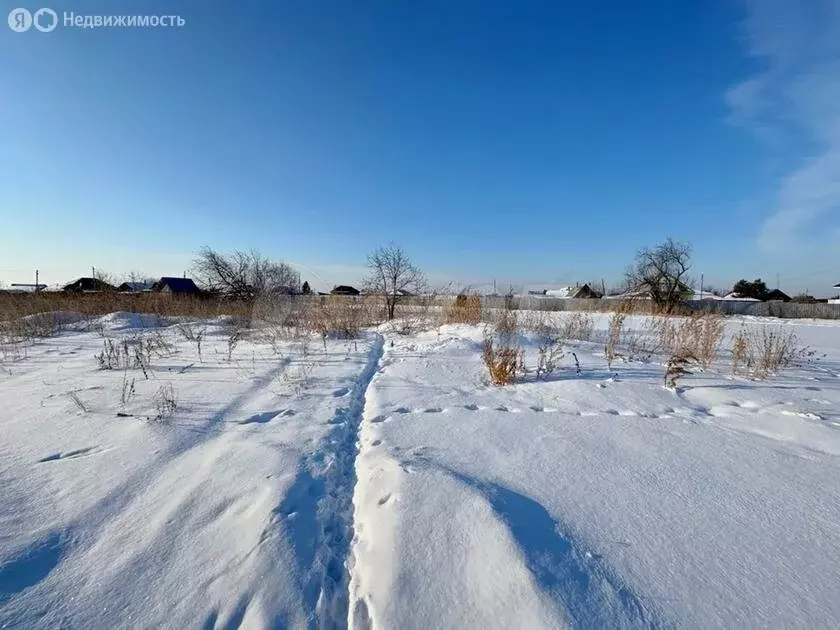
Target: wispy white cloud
{"points": [[796, 95]]}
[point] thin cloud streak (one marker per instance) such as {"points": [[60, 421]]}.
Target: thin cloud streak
{"points": [[796, 95]]}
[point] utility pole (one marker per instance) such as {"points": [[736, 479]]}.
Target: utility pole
{"points": [[37, 286], [92, 272], [701, 286], [603, 288]]}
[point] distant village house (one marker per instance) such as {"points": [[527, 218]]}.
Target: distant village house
{"points": [[176, 286], [343, 289], [88, 285]]}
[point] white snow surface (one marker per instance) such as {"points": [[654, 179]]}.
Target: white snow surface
{"points": [[382, 483]]}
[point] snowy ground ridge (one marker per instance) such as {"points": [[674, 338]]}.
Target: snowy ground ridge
{"points": [[82, 534], [591, 595]]}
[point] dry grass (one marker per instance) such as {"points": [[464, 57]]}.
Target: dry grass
{"points": [[90, 305], [549, 353], [700, 335], [613, 336], [165, 402], [741, 359], [577, 326], [466, 309], [421, 314], [133, 353], [80, 404], [760, 353], [677, 367], [710, 337], [502, 362], [194, 334], [236, 335], [506, 323], [341, 317]]}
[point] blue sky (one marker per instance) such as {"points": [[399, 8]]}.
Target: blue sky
{"points": [[527, 142]]}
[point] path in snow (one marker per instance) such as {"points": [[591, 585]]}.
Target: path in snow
{"points": [[318, 507], [235, 512], [599, 500]]}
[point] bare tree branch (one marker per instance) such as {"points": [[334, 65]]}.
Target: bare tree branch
{"points": [[662, 272], [393, 275], [244, 275]]}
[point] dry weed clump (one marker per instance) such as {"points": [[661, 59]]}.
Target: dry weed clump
{"points": [[14, 306], [193, 334], [416, 315], [502, 362], [466, 309], [549, 353], [577, 326], [506, 324], [12, 345], [709, 338], [165, 402], [677, 367], [613, 336], [133, 353], [760, 353], [236, 335], [699, 334], [342, 316], [741, 359]]}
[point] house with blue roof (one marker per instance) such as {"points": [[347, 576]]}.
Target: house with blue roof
{"points": [[176, 286]]}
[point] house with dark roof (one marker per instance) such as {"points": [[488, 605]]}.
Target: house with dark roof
{"points": [[344, 289], [135, 287], [88, 285], [176, 286], [575, 292], [777, 296]]}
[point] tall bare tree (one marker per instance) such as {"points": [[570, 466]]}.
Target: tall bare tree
{"points": [[393, 275], [663, 272], [244, 275]]}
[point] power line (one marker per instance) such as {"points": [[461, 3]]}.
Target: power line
{"points": [[813, 273]]}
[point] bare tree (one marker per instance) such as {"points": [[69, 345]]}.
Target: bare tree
{"points": [[104, 276], [662, 272], [244, 275], [392, 275], [138, 277]]}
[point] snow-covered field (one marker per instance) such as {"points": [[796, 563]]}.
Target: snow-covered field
{"points": [[381, 483]]}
